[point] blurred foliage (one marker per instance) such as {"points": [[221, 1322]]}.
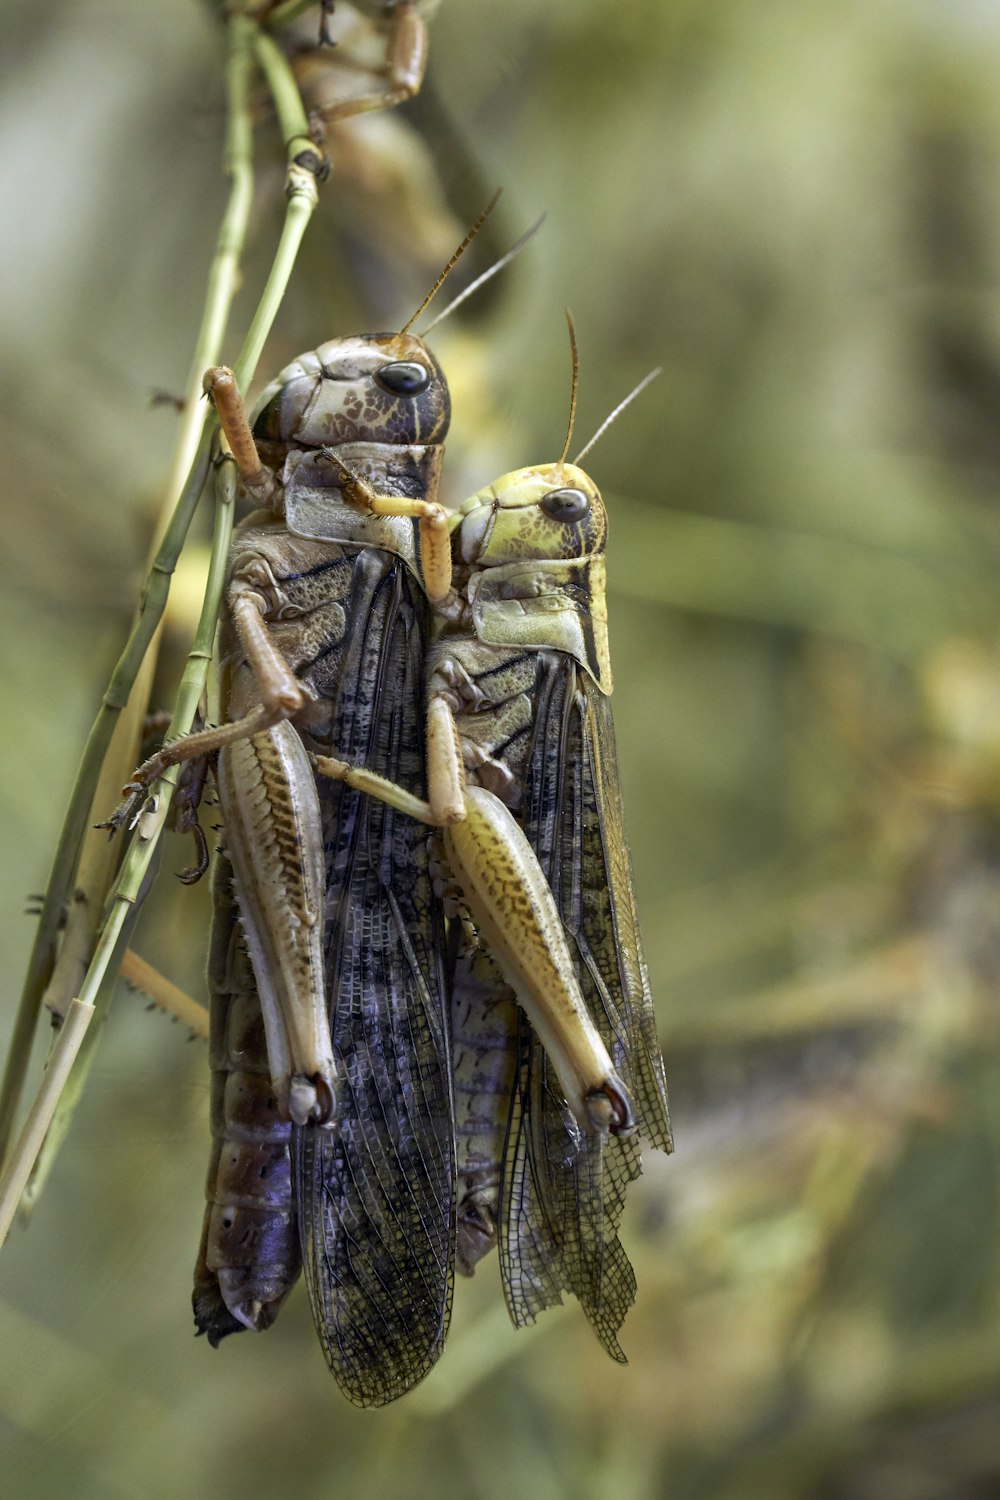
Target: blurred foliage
{"points": [[795, 209]]}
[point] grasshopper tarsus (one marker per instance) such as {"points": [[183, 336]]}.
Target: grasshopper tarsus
{"points": [[188, 822], [126, 814], [610, 1109], [313, 1102]]}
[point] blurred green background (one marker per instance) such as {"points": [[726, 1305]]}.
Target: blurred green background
{"points": [[795, 209]]}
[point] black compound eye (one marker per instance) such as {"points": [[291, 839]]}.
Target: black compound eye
{"points": [[403, 378], [566, 505]]}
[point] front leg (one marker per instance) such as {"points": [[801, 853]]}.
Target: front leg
{"points": [[282, 695], [435, 537], [251, 598], [260, 482]]}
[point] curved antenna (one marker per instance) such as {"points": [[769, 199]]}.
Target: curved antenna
{"points": [[451, 264], [572, 395], [618, 411], [485, 276]]}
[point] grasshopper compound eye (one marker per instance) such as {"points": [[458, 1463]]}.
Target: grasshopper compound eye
{"points": [[403, 378], [566, 505]]}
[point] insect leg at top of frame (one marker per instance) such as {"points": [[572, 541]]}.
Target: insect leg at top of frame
{"points": [[387, 43]]}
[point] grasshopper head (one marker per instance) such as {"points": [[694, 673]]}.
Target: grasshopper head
{"points": [[371, 387], [549, 511]]}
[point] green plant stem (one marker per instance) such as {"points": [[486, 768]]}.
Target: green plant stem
{"points": [[224, 271], [302, 151], [129, 890], [192, 454], [100, 981], [98, 984], [74, 1029]]}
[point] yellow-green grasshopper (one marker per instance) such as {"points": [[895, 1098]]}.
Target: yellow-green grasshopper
{"points": [[523, 781]]}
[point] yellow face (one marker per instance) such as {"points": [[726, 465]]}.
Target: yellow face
{"points": [[550, 511]]}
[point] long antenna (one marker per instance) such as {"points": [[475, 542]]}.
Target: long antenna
{"points": [[485, 276], [618, 411], [449, 267], [572, 395]]}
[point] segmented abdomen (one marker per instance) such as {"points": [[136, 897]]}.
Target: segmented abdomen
{"points": [[249, 1256]]}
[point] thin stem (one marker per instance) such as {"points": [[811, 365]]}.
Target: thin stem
{"points": [[129, 890], [64, 865], [302, 196], [223, 274], [192, 454], [74, 1028], [302, 150], [98, 985], [301, 202]]}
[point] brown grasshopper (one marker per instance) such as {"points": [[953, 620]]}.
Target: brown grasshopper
{"points": [[344, 937], [329, 1004]]}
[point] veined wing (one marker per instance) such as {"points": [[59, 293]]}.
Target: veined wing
{"points": [[564, 1191], [376, 1196]]}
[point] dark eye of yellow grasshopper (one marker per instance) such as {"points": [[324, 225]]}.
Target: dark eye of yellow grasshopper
{"points": [[403, 378], [566, 505]]}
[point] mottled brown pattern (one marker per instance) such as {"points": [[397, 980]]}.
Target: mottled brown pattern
{"points": [[249, 1173], [370, 1205], [330, 396]]}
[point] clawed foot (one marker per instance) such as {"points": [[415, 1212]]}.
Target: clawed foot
{"points": [[187, 822], [127, 813]]}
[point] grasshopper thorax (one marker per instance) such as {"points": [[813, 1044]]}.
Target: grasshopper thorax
{"points": [[371, 387], [549, 511]]}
